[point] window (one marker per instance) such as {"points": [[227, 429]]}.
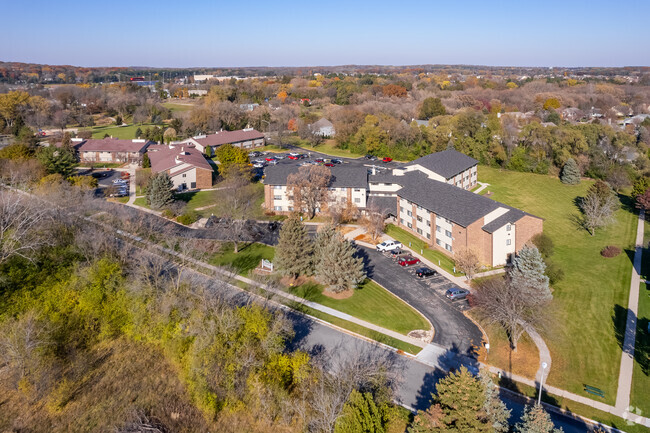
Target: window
{"points": [[428, 235], [409, 225], [277, 208], [409, 213], [290, 208], [447, 233], [508, 227], [428, 223], [357, 200], [448, 247], [419, 231], [401, 221], [419, 218], [184, 174], [401, 209], [277, 197], [419, 207], [508, 242], [388, 184], [357, 189], [438, 242], [438, 229], [277, 187]]}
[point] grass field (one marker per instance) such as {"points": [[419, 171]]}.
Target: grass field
{"points": [[641, 377], [370, 302], [417, 244], [247, 259], [122, 132], [586, 318], [173, 106]]}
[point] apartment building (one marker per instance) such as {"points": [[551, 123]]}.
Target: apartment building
{"points": [[186, 166], [429, 197], [247, 138], [111, 150]]}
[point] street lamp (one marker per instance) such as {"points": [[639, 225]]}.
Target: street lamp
{"points": [[541, 385]]}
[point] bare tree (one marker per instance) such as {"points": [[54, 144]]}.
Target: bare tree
{"points": [[237, 202], [22, 224], [20, 339], [598, 211], [374, 221], [309, 188], [467, 261]]}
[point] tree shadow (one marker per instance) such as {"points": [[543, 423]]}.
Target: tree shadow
{"points": [[302, 327], [367, 266], [424, 396], [638, 339], [627, 203], [507, 383], [624, 337]]}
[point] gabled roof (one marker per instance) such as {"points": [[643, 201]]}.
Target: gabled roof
{"points": [[321, 123], [510, 217], [227, 137], [166, 157], [114, 145], [447, 163], [342, 177]]}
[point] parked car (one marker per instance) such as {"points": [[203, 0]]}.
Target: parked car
{"points": [[270, 158], [259, 165], [336, 161], [294, 157], [120, 182], [294, 154], [280, 156], [396, 252], [302, 164], [253, 154], [328, 164], [408, 261], [389, 246], [425, 272], [456, 293], [371, 157], [273, 162], [319, 160], [387, 159], [303, 156]]}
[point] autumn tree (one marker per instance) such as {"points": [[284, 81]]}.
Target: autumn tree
{"points": [[309, 187], [374, 222], [236, 200], [232, 160], [293, 254], [467, 261], [394, 90], [431, 107], [570, 172], [599, 206], [11, 105]]}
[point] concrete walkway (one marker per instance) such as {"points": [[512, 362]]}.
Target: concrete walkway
{"points": [[483, 186], [627, 357], [131, 172]]}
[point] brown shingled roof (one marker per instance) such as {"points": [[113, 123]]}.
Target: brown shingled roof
{"points": [[225, 137], [165, 157], [114, 145]]}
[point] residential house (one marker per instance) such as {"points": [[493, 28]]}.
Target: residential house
{"points": [[247, 138], [323, 127], [111, 150], [186, 166]]}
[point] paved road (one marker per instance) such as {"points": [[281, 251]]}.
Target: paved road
{"points": [[454, 331]]}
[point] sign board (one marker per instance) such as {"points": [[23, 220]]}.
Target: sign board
{"points": [[267, 264]]}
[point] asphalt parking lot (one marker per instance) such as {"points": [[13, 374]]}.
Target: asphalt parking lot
{"points": [[453, 329]]}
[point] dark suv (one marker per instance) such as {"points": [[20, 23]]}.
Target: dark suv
{"points": [[425, 272]]}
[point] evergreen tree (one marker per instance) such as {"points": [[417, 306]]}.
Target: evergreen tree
{"points": [[294, 252], [138, 132], [362, 415], [323, 239], [527, 275], [496, 410], [640, 186], [431, 107], [536, 420], [146, 162], [337, 267], [570, 172], [160, 191], [61, 160], [461, 398]]}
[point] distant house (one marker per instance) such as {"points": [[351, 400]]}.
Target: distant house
{"points": [[247, 138], [186, 166], [323, 127], [571, 114], [420, 122], [111, 150], [248, 107], [197, 92]]}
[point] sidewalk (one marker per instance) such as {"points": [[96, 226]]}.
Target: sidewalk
{"points": [[483, 186], [627, 357]]}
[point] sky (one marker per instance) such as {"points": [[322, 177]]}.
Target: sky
{"points": [[216, 33]]}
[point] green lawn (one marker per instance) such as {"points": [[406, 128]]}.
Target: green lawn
{"points": [[641, 378], [247, 259], [174, 107], [141, 201], [123, 132], [196, 199], [588, 303], [417, 244], [370, 302]]}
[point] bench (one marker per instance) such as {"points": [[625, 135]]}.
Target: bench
{"points": [[594, 391]]}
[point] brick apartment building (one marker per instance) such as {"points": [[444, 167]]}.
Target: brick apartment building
{"points": [[111, 150], [247, 138], [186, 166]]}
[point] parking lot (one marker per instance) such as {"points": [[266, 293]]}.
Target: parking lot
{"points": [[453, 329], [107, 179], [312, 157]]}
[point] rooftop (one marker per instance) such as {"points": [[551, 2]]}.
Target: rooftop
{"points": [[352, 177], [226, 137], [165, 157], [114, 145], [447, 163]]}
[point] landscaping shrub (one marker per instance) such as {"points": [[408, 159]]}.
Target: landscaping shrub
{"points": [[610, 251], [544, 244], [168, 213], [554, 272], [188, 218]]}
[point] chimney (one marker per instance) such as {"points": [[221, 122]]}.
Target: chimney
{"points": [[374, 170], [182, 149]]}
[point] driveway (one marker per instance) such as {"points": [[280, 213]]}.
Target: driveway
{"points": [[454, 331]]}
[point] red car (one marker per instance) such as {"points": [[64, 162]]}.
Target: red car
{"points": [[408, 261], [270, 158], [292, 157], [387, 159], [328, 164]]}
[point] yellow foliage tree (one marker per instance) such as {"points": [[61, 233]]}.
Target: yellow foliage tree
{"points": [[511, 85], [282, 95], [553, 103]]}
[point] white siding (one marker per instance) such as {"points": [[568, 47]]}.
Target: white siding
{"points": [[186, 178], [494, 215], [500, 247]]}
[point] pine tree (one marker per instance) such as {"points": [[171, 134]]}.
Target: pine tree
{"points": [[527, 275], [570, 172], [138, 132], [362, 415], [536, 420], [160, 192], [461, 398], [146, 162], [337, 267], [323, 239], [294, 252], [496, 410], [61, 160]]}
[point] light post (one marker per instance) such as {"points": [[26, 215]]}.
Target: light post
{"points": [[541, 384]]}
